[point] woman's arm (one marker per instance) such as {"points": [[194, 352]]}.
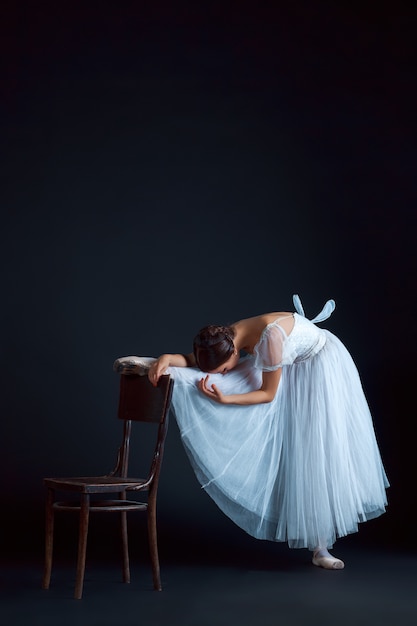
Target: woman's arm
{"points": [[266, 392], [159, 367]]}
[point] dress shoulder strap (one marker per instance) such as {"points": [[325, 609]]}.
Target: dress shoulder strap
{"points": [[324, 314], [284, 317]]}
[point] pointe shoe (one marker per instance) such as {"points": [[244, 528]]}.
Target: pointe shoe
{"points": [[327, 561]]}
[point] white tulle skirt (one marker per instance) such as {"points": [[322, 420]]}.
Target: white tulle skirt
{"points": [[304, 468]]}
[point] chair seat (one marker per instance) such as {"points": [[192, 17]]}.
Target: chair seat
{"points": [[97, 484]]}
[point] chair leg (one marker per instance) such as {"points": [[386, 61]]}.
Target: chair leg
{"points": [[125, 543], [153, 544], [82, 545], [49, 538]]}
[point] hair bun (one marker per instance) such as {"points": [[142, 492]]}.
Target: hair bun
{"points": [[213, 345]]}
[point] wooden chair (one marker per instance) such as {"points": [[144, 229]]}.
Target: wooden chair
{"points": [[139, 401]]}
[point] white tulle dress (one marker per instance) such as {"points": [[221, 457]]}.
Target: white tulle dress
{"points": [[304, 468]]}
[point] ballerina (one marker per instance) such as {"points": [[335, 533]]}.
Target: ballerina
{"points": [[278, 429]]}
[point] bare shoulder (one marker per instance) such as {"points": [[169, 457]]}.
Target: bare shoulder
{"points": [[260, 321], [249, 330]]}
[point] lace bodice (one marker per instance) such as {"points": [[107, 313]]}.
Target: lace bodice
{"points": [[275, 348]]}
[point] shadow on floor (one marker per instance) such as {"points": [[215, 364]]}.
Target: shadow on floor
{"points": [[246, 582]]}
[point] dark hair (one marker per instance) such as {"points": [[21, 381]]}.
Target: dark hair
{"points": [[213, 346]]}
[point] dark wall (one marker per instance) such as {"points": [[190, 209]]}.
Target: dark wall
{"points": [[169, 167]]}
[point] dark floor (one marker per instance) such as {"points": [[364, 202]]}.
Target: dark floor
{"points": [[263, 585]]}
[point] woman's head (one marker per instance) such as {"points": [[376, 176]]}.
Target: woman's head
{"points": [[213, 346]]}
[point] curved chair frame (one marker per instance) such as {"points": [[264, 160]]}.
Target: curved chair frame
{"points": [[139, 401]]}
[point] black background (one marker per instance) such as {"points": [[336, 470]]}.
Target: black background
{"points": [[171, 165]]}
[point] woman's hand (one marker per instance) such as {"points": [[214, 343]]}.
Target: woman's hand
{"points": [[266, 393], [158, 368], [211, 392]]}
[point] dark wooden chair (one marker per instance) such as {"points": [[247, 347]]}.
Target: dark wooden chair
{"points": [[139, 401]]}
